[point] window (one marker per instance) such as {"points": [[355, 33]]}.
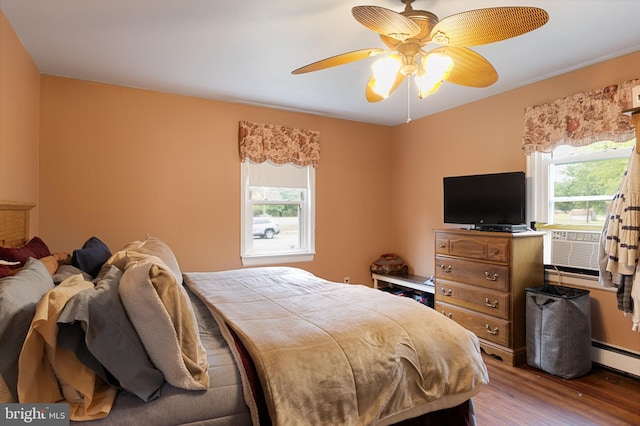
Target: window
{"points": [[277, 213], [570, 190]]}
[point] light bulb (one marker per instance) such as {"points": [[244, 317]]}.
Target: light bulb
{"points": [[385, 71], [436, 68]]}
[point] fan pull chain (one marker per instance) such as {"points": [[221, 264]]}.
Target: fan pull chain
{"points": [[408, 101]]}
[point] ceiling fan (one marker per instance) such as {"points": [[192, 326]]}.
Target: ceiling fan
{"points": [[405, 34]]}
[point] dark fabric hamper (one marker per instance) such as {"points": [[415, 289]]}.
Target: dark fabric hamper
{"points": [[559, 330]]}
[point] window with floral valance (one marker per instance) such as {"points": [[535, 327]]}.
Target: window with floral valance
{"points": [[278, 193], [580, 119], [578, 148]]}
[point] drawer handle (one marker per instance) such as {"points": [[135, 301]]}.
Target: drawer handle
{"points": [[446, 292], [450, 315], [494, 278], [442, 246], [490, 331], [495, 251], [488, 303], [446, 269]]}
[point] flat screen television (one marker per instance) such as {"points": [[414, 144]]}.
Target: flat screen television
{"points": [[485, 200]]}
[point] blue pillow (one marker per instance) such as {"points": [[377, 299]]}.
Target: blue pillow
{"points": [[91, 256]]}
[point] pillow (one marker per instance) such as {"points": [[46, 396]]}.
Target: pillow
{"points": [[65, 271], [19, 295], [90, 258], [35, 248], [149, 289], [151, 246], [95, 326], [53, 261], [6, 270]]}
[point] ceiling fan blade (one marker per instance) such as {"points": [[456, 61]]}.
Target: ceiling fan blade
{"points": [[482, 26], [469, 67], [386, 22], [342, 59], [374, 97]]}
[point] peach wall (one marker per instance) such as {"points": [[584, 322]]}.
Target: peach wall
{"points": [[119, 163], [483, 137], [19, 104], [615, 329]]}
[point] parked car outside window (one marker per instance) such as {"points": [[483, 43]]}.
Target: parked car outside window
{"points": [[265, 227]]}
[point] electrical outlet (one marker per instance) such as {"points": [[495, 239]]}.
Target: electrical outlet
{"points": [[346, 280]]}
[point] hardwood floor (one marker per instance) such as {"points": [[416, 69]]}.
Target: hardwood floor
{"points": [[526, 396]]}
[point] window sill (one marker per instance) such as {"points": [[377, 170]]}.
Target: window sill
{"points": [[575, 279], [545, 226], [272, 259]]}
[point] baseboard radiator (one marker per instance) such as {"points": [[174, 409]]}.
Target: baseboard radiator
{"points": [[615, 358]]}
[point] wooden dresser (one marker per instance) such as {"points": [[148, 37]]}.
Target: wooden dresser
{"points": [[480, 282]]}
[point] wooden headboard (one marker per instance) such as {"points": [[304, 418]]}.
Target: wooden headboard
{"points": [[14, 223]]}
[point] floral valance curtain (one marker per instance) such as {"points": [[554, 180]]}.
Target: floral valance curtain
{"points": [[278, 144], [580, 119]]}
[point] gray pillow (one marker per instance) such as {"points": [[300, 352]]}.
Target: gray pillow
{"points": [[66, 271], [95, 326], [19, 295]]}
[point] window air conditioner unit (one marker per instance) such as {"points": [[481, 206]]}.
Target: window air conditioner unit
{"points": [[575, 249]]}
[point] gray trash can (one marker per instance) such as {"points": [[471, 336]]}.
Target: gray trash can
{"points": [[559, 330]]}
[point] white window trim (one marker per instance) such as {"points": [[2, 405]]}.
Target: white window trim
{"points": [[539, 185], [539, 189], [246, 215]]}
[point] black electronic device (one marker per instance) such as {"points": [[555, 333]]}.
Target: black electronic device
{"points": [[489, 202], [503, 228]]}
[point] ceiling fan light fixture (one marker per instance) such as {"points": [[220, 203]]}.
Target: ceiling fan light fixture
{"points": [[385, 71], [436, 68], [406, 34]]}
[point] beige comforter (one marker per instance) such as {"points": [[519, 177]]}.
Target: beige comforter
{"points": [[330, 353]]}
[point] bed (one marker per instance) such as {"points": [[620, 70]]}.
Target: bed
{"points": [[129, 338]]}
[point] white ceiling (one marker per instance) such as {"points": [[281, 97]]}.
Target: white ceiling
{"points": [[244, 50]]}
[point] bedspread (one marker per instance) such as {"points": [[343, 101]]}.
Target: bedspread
{"points": [[330, 353]]}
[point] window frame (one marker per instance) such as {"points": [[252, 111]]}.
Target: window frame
{"points": [[306, 252], [540, 191], [539, 197]]}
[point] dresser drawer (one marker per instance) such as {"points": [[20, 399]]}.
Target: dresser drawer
{"points": [[485, 327], [476, 273], [442, 244], [495, 249], [478, 299]]}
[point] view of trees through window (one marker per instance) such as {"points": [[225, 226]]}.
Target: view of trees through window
{"points": [[585, 181], [276, 195]]}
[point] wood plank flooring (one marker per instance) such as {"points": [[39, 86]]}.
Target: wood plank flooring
{"points": [[526, 396]]}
